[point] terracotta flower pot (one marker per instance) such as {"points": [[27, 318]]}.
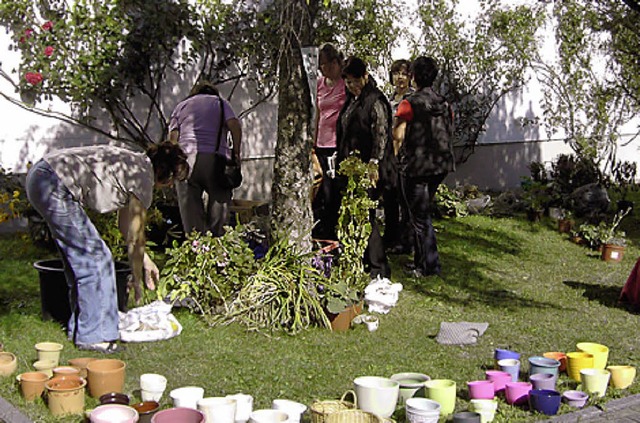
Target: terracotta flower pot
{"points": [[104, 376], [80, 363], [65, 395], [8, 363], [32, 384], [342, 322], [612, 252]]}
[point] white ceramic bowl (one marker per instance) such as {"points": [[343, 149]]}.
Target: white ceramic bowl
{"points": [[187, 396]]}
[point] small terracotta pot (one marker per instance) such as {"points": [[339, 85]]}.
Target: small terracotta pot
{"points": [[80, 363], [8, 363], [342, 322], [65, 395], [32, 384], [66, 371], [49, 351], [105, 375]]}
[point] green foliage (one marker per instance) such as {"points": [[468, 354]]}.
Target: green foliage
{"points": [[348, 277], [582, 95], [537, 195], [280, 295], [364, 28], [208, 270], [481, 59], [13, 199], [450, 202], [570, 171], [604, 232], [107, 55]]}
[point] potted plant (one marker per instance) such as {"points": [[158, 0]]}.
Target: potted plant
{"points": [[536, 198], [343, 290], [565, 222], [613, 240], [605, 236]]}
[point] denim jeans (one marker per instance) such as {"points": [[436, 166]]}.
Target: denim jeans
{"points": [[88, 263], [419, 194]]}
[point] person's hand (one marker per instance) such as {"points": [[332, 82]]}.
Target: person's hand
{"points": [[374, 176], [151, 273]]}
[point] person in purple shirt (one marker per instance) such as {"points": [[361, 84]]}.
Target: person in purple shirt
{"points": [[195, 125]]}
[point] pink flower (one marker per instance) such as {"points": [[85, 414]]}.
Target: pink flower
{"points": [[28, 32], [22, 40], [47, 26], [48, 51], [33, 78]]}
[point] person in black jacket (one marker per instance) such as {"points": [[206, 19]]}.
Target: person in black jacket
{"points": [[364, 125], [424, 128]]}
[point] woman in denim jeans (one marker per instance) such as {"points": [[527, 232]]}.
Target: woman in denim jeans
{"points": [[104, 178]]}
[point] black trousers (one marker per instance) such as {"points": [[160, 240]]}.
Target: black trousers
{"points": [[326, 204], [398, 233], [419, 193]]}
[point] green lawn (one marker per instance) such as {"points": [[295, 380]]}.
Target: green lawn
{"points": [[537, 291]]}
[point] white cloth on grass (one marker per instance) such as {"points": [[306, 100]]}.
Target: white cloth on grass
{"points": [[152, 322], [381, 295]]}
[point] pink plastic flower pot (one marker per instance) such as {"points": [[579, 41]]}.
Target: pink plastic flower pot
{"points": [[481, 389], [517, 393]]}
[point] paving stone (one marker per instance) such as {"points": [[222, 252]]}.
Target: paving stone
{"points": [[10, 414]]}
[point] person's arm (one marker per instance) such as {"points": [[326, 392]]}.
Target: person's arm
{"points": [[404, 114], [236, 135], [380, 130], [174, 135], [131, 222], [399, 129]]}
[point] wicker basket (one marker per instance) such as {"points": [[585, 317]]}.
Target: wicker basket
{"points": [[353, 416], [320, 410]]}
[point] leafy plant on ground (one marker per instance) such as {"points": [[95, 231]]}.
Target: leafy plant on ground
{"points": [[450, 202], [207, 270], [348, 278], [604, 232], [280, 295]]}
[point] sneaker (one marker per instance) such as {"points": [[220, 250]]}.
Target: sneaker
{"points": [[103, 347]]}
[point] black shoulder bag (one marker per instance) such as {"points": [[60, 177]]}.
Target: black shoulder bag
{"points": [[228, 172]]}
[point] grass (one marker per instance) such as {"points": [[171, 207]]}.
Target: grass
{"points": [[537, 291]]}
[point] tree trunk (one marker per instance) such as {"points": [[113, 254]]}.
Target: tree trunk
{"points": [[291, 212]]}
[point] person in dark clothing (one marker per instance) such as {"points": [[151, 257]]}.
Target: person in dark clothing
{"points": [[424, 130], [364, 125], [398, 234]]}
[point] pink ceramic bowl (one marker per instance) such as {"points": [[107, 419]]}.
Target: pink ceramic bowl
{"points": [[111, 413]]}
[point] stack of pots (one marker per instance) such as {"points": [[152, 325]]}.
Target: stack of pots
{"points": [[422, 410]]}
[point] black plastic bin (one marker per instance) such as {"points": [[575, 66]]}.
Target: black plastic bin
{"points": [[54, 293]]}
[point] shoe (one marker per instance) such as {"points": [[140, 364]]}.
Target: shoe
{"points": [[103, 347]]}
